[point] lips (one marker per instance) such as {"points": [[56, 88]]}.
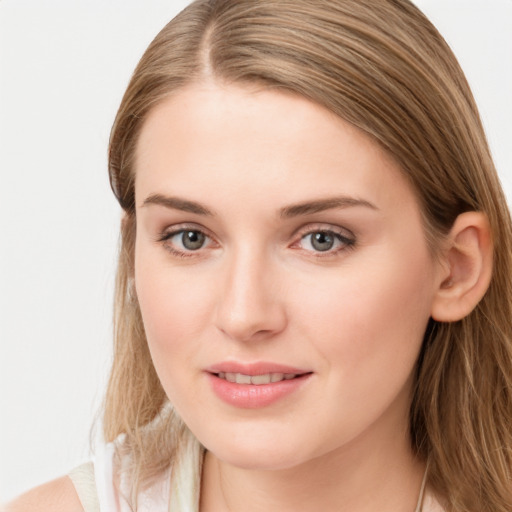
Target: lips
{"points": [[251, 369], [255, 385]]}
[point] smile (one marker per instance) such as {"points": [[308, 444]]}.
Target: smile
{"points": [[257, 380], [254, 389]]}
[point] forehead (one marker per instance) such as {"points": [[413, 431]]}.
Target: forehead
{"points": [[223, 141]]}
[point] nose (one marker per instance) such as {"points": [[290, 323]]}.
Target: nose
{"points": [[250, 305]]}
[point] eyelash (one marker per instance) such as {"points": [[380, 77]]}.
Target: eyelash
{"points": [[347, 242], [165, 236]]}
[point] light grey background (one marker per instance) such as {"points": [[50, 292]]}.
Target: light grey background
{"points": [[63, 69]]}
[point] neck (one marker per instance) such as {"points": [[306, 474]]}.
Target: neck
{"points": [[376, 471]]}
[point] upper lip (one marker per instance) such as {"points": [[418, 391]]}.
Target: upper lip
{"points": [[259, 368]]}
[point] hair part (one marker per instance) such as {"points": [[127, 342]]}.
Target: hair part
{"points": [[383, 67]]}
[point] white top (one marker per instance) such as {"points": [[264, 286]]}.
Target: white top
{"points": [[155, 499], [96, 488]]}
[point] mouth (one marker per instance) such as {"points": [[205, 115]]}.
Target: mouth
{"points": [[255, 389], [256, 385], [256, 380]]}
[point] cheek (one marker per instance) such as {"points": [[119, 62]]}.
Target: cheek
{"points": [[373, 313], [174, 311], [367, 327]]}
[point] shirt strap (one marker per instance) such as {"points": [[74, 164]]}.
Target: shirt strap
{"points": [[85, 486]]}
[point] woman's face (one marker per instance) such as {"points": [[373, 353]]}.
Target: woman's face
{"points": [[280, 248]]}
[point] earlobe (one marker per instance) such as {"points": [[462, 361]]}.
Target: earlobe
{"points": [[467, 263]]}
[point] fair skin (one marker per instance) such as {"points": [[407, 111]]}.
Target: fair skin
{"points": [[339, 292]]}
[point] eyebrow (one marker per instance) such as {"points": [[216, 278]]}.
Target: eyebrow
{"points": [[294, 210], [321, 205], [177, 203]]}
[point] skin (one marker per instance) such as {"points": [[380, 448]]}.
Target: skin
{"points": [[56, 496], [258, 289]]}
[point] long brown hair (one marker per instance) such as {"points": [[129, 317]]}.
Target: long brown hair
{"points": [[382, 66]]}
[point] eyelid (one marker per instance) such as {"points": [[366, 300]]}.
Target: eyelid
{"points": [[346, 236], [169, 232], [323, 227]]}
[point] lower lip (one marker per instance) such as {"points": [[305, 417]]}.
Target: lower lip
{"points": [[250, 396]]}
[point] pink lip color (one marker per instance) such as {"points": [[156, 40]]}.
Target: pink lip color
{"points": [[250, 396], [259, 368]]}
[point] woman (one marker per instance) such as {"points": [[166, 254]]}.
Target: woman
{"points": [[314, 272]]}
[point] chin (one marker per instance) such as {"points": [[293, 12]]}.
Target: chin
{"points": [[259, 461], [254, 455]]}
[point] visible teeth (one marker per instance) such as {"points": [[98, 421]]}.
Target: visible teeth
{"points": [[243, 379], [261, 379], [256, 380]]}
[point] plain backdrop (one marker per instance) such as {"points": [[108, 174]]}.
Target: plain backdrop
{"points": [[64, 66]]}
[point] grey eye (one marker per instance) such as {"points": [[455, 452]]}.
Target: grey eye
{"points": [[322, 241], [326, 241], [193, 240]]}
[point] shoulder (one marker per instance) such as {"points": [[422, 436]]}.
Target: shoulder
{"points": [[56, 496]]}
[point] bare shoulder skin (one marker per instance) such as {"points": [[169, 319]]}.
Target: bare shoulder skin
{"points": [[56, 496]]}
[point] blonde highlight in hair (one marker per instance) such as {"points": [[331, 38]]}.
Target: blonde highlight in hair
{"points": [[382, 66]]}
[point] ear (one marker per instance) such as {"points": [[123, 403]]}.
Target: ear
{"points": [[466, 261]]}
